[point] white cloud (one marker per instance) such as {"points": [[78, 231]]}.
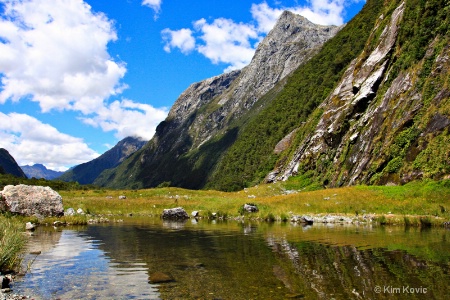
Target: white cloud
{"points": [[234, 44], [128, 118], [30, 141], [181, 39], [155, 5], [55, 52], [225, 41]]}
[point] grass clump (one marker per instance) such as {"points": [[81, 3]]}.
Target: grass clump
{"points": [[12, 241]]}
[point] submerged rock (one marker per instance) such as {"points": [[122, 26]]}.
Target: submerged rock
{"points": [[160, 277]]}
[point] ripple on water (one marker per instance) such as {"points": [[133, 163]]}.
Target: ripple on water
{"points": [[73, 267]]}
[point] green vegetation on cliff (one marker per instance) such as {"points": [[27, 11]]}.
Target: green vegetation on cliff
{"points": [[251, 157]]}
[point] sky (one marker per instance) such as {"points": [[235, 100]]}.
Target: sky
{"points": [[78, 76]]}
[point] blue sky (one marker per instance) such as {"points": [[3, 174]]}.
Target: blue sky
{"points": [[78, 76]]}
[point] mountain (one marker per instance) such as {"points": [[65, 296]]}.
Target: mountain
{"points": [[40, 171], [8, 164], [387, 119], [202, 123], [87, 172], [367, 103]]}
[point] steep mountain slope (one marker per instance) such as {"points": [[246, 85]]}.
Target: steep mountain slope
{"points": [[387, 121], [372, 106], [252, 155], [87, 172], [40, 171], [8, 164], [199, 127]]}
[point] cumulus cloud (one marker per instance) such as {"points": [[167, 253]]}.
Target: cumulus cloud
{"points": [[155, 5], [225, 41], [128, 118], [55, 52], [233, 44], [181, 39], [30, 141]]}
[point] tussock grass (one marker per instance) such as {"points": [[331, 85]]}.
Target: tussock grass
{"points": [[416, 204], [12, 241]]}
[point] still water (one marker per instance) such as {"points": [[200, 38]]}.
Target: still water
{"points": [[232, 260]]}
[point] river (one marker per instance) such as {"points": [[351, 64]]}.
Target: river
{"points": [[233, 260]]}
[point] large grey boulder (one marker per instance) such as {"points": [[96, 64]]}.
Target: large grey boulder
{"points": [[31, 200], [177, 213]]}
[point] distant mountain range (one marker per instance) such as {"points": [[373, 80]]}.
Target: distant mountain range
{"points": [[8, 164], [87, 172], [40, 171]]}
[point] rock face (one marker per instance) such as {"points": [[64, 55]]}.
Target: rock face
{"points": [[380, 125], [177, 213], [202, 121], [31, 200]]}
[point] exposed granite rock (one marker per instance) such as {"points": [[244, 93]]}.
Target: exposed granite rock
{"points": [[177, 213], [349, 104], [31, 200]]}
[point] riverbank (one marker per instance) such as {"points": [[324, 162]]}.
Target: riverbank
{"points": [[422, 203], [417, 204]]}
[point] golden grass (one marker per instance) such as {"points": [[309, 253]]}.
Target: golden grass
{"points": [[394, 205]]}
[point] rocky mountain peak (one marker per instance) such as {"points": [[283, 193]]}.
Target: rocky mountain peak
{"points": [[208, 110], [292, 41]]}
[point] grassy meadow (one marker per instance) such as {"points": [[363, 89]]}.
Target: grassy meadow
{"points": [[417, 203]]}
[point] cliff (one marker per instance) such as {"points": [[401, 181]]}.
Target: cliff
{"points": [[387, 119]]}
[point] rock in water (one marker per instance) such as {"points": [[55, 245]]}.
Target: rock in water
{"points": [[160, 277], [177, 213], [31, 200]]}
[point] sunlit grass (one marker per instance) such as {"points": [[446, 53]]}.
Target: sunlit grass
{"points": [[11, 242], [392, 205]]}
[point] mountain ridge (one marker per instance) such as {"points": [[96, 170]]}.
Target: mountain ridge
{"points": [[87, 172], [40, 171], [199, 127]]}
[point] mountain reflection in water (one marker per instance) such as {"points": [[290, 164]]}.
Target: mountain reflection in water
{"points": [[230, 260]]}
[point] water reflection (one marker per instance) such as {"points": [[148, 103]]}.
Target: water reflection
{"points": [[231, 260], [71, 266]]}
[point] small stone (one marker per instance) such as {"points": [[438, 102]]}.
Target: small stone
{"points": [[69, 212], [250, 207], [30, 226], [80, 211], [194, 213]]}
